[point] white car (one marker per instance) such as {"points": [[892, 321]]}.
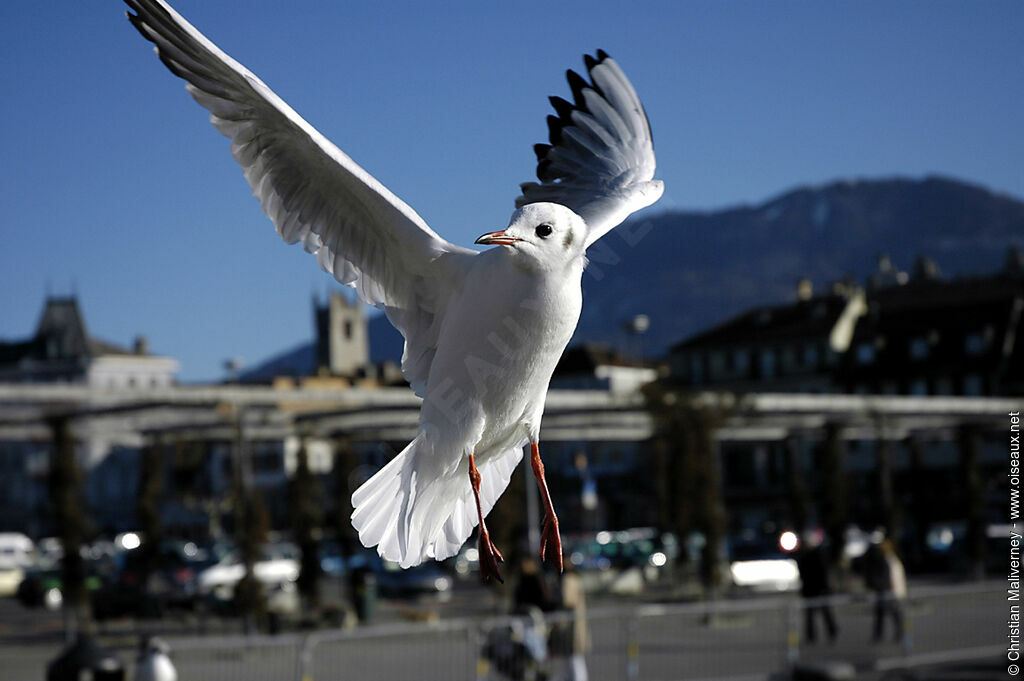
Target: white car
{"points": [[10, 578], [15, 555], [15, 550], [763, 563], [766, 574], [278, 564]]}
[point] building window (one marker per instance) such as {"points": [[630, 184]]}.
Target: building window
{"points": [[973, 385], [866, 353], [975, 343], [811, 355], [918, 386], [766, 360], [741, 362], [348, 329], [919, 348], [716, 365], [788, 359], [696, 369], [267, 460]]}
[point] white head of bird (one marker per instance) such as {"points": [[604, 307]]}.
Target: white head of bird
{"points": [[547, 237]]}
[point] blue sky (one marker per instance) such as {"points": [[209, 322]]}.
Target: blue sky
{"points": [[116, 187]]}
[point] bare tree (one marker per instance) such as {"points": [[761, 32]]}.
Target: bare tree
{"points": [[690, 491], [346, 461], [72, 524], [150, 489], [305, 505], [887, 508], [798, 495], [973, 504], [251, 525], [833, 491]]}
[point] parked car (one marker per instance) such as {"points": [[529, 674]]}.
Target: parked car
{"points": [[10, 577], [332, 559], [643, 548], [278, 563], [425, 579], [171, 582], [758, 563], [16, 550], [44, 587], [392, 581], [15, 555], [48, 553]]}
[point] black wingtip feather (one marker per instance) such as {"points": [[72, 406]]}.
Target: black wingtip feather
{"points": [[591, 62], [562, 108], [577, 85], [137, 23], [554, 130], [547, 172]]}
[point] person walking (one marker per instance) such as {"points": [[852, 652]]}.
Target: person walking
{"points": [[574, 601], [532, 589], [887, 578], [815, 588]]}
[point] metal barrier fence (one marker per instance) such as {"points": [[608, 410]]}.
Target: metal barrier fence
{"points": [[239, 658], [748, 639]]}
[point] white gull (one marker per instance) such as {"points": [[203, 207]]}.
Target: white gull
{"points": [[483, 331]]}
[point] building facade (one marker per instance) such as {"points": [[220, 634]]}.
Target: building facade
{"points": [[62, 352], [902, 335]]}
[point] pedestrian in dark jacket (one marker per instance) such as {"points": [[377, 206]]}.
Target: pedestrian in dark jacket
{"points": [[885, 576], [532, 589], [815, 587]]}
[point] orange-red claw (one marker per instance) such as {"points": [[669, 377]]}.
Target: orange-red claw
{"points": [[551, 537], [490, 556]]}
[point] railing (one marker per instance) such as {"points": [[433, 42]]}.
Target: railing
{"points": [[722, 640]]}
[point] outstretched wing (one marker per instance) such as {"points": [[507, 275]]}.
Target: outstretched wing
{"points": [[361, 233], [600, 160]]}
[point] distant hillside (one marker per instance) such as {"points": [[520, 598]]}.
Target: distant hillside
{"points": [[688, 270], [691, 270]]}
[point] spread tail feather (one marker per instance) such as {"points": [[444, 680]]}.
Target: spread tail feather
{"points": [[410, 520]]}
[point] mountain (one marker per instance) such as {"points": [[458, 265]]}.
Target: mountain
{"points": [[689, 270]]}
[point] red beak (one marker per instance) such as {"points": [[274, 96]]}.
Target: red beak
{"points": [[497, 238]]}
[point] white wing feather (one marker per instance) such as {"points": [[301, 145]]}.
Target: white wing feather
{"points": [[361, 233], [600, 160]]}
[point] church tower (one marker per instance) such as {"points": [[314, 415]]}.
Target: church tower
{"points": [[342, 343]]}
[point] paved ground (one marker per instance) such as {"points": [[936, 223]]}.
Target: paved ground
{"points": [[672, 644]]}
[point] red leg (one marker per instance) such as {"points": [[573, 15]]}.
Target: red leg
{"points": [[550, 537], [489, 555]]}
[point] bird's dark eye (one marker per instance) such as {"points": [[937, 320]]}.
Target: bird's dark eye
{"points": [[544, 230]]}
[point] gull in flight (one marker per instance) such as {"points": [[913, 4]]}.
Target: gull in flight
{"points": [[483, 330]]}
